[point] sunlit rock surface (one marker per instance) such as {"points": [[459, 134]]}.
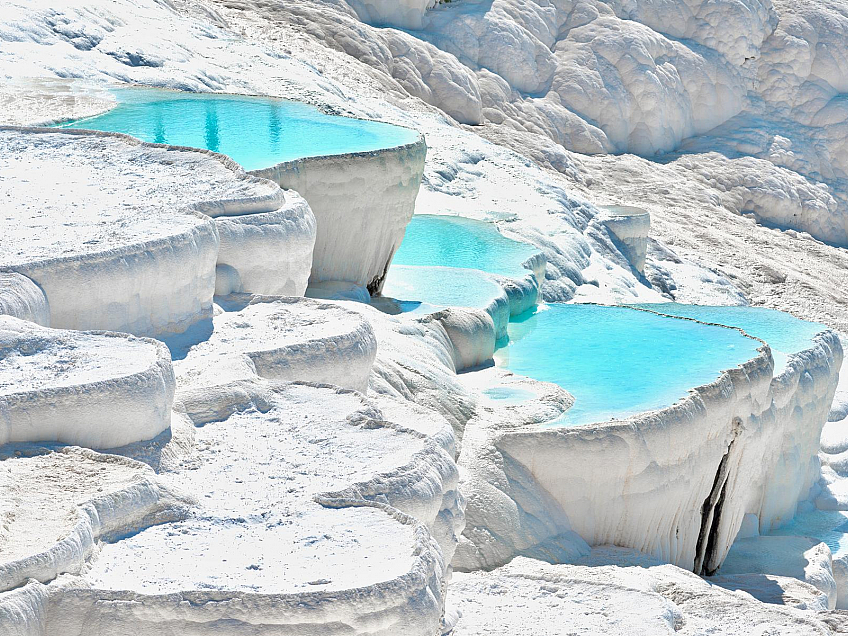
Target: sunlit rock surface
{"points": [[137, 250], [753, 70], [620, 592], [281, 339], [362, 203], [58, 502], [99, 390]]}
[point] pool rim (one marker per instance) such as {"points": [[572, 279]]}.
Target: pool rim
{"points": [[764, 355], [63, 124]]}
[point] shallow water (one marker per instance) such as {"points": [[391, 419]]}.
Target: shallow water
{"points": [[784, 333], [829, 526], [617, 361], [453, 241], [508, 396], [437, 287], [257, 132]]}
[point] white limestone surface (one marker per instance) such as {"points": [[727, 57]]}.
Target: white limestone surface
{"points": [[802, 558], [292, 529], [267, 252], [57, 503], [404, 14], [292, 339], [94, 389], [121, 240], [39, 101], [21, 298], [415, 362], [110, 242], [362, 203], [471, 332], [22, 609], [630, 225], [616, 593]]}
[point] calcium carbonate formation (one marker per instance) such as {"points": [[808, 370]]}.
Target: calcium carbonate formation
{"points": [[324, 438]]}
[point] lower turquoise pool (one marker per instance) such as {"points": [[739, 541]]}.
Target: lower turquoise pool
{"points": [[437, 287], [257, 132], [618, 361]]}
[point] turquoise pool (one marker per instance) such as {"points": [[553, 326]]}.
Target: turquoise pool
{"points": [[435, 287], [617, 361], [829, 526], [784, 333], [257, 132], [454, 241]]}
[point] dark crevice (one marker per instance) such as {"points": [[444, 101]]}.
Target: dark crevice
{"points": [[710, 567], [711, 510], [376, 285]]}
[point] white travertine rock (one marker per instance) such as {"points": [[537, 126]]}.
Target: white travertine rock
{"points": [[348, 471], [21, 298], [57, 504], [405, 14], [94, 389], [291, 339], [840, 576], [606, 594], [507, 514], [750, 526], [355, 472], [338, 290], [630, 226], [267, 253], [736, 29], [22, 609], [362, 203], [802, 558], [40, 101], [472, 334], [137, 251]]}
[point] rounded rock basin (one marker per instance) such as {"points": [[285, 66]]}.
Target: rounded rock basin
{"points": [[508, 396], [618, 361], [453, 241], [256, 132], [424, 290]]}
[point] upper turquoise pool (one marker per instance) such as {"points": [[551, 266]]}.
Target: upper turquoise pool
{"points": [[453, 241], [617, 361], [257, 132], [784, 333]]}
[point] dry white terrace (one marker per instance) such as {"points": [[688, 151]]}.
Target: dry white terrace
{"points": [[282, 339], [99, 390], [35, 359], [40, 490], [257, 526], [106, 192]]}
